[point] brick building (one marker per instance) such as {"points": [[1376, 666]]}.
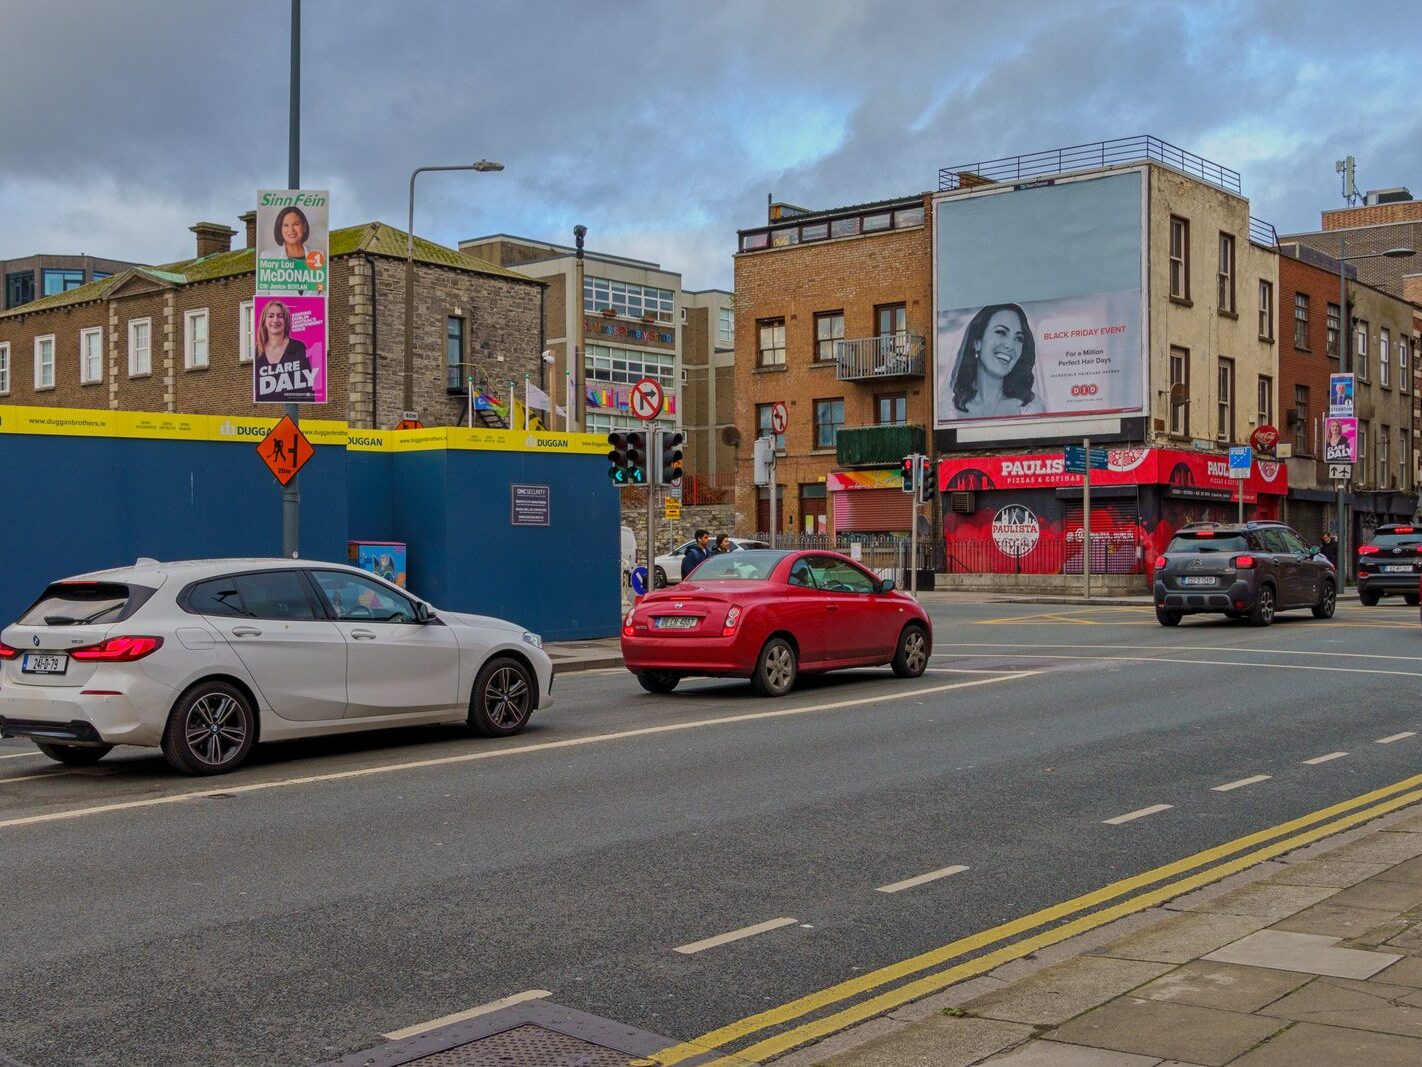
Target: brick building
{"points": [[1388, 218], [179, 337], [31, 277], [708, 373]]}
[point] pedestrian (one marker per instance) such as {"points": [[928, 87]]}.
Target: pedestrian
{"points": [[723, 545], [1330, 549], [696, 552]]}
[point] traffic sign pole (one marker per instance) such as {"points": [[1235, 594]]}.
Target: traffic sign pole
{"points": [[1086, 521], [913, 523], [291, 492]]}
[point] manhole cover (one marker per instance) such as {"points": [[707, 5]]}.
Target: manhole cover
{"points": [[526, 1046]]}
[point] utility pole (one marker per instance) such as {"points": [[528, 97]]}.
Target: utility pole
{"points": [[1086, 520]]}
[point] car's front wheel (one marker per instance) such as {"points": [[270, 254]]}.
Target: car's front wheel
{"points": [[503, 698], [911, 657], [1263, 613], [1327, 603], [658, 681], [210, 730], [775, 668], [74, 755]]}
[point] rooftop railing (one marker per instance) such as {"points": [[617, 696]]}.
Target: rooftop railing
{"points": [[1117, 152]]}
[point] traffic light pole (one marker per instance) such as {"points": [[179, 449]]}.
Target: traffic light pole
{"points": [[913, 524], [1086, 521]]}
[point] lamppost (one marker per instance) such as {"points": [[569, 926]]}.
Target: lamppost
{"points": [[483, 166], [1345, 335], [577, 410]]}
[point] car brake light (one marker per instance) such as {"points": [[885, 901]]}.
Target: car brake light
{"points": [[1405, 529], [119, 649], [1204, 533], [733, 618], [6, 652], [1368, 550], [1243, 563], [1159, 562], [627, 624]]}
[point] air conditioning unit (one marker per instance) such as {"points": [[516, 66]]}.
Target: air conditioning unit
{"points": [[962, 503]]}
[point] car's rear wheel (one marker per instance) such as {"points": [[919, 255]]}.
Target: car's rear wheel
{"points": [[210, 730], [1410, 599], [1326, 603], [74, 755], [1263, 613], [658, 681], [1369, 598], [1167, 618], [659, 579], [503, 698], [911, 657], [775, 668]]}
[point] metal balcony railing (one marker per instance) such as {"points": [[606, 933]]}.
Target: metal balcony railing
{"points": [[1263, 233], [895, 355], [1117, 152]]}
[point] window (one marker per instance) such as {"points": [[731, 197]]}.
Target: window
{"points": [[355, 598], [1401, 482], [1404, 370], [844, 227], [772, 342], [19, 288], [1266, 401], [762, 421], [454, 354], [91, 356], [1362, 465], [628, 299], [908, 216], [1180, 375], [1385, 357], [1179, 258], [140, 350], [891, 409], [603, 363], [5, 368], [1300, 418], [891, 320], [873, 223], [1225, 295], [726, 326], [245, 325], [195, 339], [61, 281], [1224, 427], [261, 595], [1360, 349], [1332, 331], [829, 417], [829, 328], [1266, 310], [1384, 445], [1301, 321], [839, 575], [44, 362], [816, 231]]}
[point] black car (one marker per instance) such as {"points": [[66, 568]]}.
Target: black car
{"points": [[1245, 571], [1390, 564]]}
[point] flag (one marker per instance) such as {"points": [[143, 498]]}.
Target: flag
{"points": [[537, 398], [561, 411]]}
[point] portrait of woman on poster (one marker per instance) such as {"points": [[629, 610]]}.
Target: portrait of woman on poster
{"points": [[995, 372], [1335, 445], [289, 235], [275, 341]]}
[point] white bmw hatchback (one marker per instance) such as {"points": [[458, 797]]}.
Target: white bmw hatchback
{"points": [[205, 658]]}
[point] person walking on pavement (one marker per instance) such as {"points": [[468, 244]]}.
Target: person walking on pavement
{"points": [[696, 552], [1329, 549]]}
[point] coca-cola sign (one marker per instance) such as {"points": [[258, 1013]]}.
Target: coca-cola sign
{"points": [[1264, 439]]}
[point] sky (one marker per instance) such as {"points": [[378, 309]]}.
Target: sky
{"points": [[663, 125]]}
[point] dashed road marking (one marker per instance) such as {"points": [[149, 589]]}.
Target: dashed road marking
{"points": [[1395, 737], [1242, 783], [1325, 759], [931, 876], [19, 755], [1166, 657], [734, 935], [1130, 816], [471, 1013]]}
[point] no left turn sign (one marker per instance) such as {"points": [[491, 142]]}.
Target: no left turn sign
{"points": [[779, 417], [647, 399]]}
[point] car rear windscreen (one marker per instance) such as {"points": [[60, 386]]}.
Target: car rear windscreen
{"points": [[85, 604], [1208, 543], [743, 564], [1395, 540]]}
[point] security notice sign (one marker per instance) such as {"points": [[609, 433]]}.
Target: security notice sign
{"points": [[532, 505]]}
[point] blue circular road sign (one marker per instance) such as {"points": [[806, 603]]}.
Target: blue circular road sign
{"points": [[639, 580]]}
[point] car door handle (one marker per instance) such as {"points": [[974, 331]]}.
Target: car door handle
{"points": [[363, 635], [246, 631], [831, 607]]}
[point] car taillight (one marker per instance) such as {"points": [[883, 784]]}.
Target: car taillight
{"points": [[119, 649], [627, 624], [733, 618], [6, 652], [1368, 550], [1159, 563], [1243, 563], [1405, 529]]}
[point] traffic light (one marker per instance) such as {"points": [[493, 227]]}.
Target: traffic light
{"points": [[628, 457], [669, 444], [906, 469], [927, 483]]}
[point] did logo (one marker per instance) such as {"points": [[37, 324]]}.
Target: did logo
{"points": [[1085, 390]]}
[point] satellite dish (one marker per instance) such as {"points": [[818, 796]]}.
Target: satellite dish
{"points": [[1179, 393], [730, 436]]}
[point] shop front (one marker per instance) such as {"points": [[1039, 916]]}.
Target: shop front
{"points": [[1024, 514], [869, 502]]}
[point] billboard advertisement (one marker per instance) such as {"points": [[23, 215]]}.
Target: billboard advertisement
{"points": [[293, 241], [1340, 395], [1340, 439], [1039, 303], [289, 364]]}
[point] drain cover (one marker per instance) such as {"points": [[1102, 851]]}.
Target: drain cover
{"points": [[526, 1046]]}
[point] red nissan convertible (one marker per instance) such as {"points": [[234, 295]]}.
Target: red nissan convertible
{"points": [[771, 615]]}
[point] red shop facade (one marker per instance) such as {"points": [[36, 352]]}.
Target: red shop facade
{"points": [[1008, 514]]}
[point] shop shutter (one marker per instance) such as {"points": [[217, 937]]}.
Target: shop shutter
{"points": [[1114, 537], [872, 510]]}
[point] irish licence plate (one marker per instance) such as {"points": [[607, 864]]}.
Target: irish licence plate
{"points": [[677, 622], [37, 663], [1196, 579], [1398, 568]]}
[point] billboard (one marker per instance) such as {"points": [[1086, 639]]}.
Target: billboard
{"points": [[293, 241], [289, 357], [1340, 395], [1340, 439], [1039, 303]]}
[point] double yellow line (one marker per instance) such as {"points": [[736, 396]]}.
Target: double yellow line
{"points": [[1216, 863]]}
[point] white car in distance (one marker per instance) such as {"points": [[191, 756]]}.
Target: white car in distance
{"points": [[668, 567], [204, 658]]}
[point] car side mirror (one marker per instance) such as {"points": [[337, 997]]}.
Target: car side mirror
{"points": [[1315, 550], [423, 612], [886, 586]]}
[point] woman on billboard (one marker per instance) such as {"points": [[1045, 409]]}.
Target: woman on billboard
{"points": [[995, 373], [289, 234], [282, 366]]}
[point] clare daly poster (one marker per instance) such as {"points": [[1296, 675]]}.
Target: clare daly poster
{"points": [[289, 342]]}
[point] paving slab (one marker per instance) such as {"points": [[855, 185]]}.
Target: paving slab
{"points": [[1358, 1005], [1337, 873], [1383, 893], [1060, 992], [1308, 953], [1267, 901], [1410, 939], [1180, 1031], [1057, 1054], [1385, 846], [940, 1042], [1335, 920], [1307, 1043], [1226, 986], [1183, 938], [1406, 971], [1412, 825], [1411, 871]]}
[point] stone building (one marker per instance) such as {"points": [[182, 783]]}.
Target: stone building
{"points": [[179, 337]]}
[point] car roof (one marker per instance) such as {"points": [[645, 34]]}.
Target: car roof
{"points": [[147, 570], [1233, 527]]}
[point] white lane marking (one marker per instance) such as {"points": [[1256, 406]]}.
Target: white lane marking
{"points": [[1198, 662], [1141, 814], [33, 777], [472, 1013], [931, 876], [1184, 648], [1325, 759], [1395, 737], [1242, 783], [512, 750], [20, 755], [734, 935]]}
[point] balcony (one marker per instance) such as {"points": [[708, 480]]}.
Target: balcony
{"points": [[895, 355], [877, 446]]}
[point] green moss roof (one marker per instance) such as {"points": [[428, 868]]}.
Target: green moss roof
{"points": [[373, 238]]}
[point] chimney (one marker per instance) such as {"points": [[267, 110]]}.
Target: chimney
{"points": [[249, 219], [213, 237]]}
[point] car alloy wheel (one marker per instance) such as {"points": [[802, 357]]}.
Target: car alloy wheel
{"points": [[503, 698], [211, 729], [775, 669], [659, 579], [1327, 603], [1263, 613], [911, 658]]}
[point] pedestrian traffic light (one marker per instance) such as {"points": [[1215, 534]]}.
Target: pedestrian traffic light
{"points": [[628, 457], [669, 445], [927, 483], [906, 469]]}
